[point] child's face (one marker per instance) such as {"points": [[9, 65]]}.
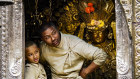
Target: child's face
{"points": [[32, 54]]}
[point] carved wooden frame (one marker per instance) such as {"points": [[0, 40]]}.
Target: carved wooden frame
{"points": [[12, 38]]}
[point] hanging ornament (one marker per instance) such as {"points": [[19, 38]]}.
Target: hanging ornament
{"points": [[50, 10]]}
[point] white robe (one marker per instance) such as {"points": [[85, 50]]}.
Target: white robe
{"points": [[34, 71], [67, 59]]}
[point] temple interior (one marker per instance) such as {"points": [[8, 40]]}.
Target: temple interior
{"points": [[90, 20]]}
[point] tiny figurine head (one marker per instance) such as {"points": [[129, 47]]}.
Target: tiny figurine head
{"points": [[97, 35], [32, 52]]}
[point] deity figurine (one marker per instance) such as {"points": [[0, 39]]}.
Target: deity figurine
{"points": [[95, 14], [96, 18], [103, 38], [91, 20]]}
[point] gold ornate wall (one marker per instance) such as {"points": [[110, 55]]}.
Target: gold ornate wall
{"points": [[136, 36]]}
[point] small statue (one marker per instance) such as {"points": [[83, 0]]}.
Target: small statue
{"points": [[92, 19], [104, 39], [97, 26], [95, 14]]}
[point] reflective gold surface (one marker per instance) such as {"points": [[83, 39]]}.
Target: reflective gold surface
{"points": [[69, 21], [94, 27]]}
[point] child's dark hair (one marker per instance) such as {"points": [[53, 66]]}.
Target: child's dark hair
{"points": [[29, 43], [46, 25]]}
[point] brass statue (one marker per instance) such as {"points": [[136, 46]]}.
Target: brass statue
{"points": [[93, 20], [99, 32], [99, 18]]}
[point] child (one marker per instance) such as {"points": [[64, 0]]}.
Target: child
{"points": [[33, 69]]}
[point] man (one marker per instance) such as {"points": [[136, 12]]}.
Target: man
{"points": [[66, 53]]}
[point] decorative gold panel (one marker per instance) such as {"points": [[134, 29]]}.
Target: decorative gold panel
{"points": [[136, 33]]}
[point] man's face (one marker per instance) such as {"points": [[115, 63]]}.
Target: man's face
{"points": [[51, 36], [32, 54]]}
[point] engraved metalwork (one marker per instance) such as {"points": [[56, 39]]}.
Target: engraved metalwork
{"points": [[127, 6], [124, 44], [136, 37], [12, 44], [3, 42], [138, 1]]}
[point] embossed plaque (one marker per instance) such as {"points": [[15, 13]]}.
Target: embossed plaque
{"points": [[124, 44], [12, 40]]}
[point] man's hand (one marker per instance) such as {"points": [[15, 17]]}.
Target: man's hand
{"points": [[84, 72]]}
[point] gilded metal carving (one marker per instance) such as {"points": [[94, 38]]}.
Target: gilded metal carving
{"points": [[136, 37], [69, 21]]}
